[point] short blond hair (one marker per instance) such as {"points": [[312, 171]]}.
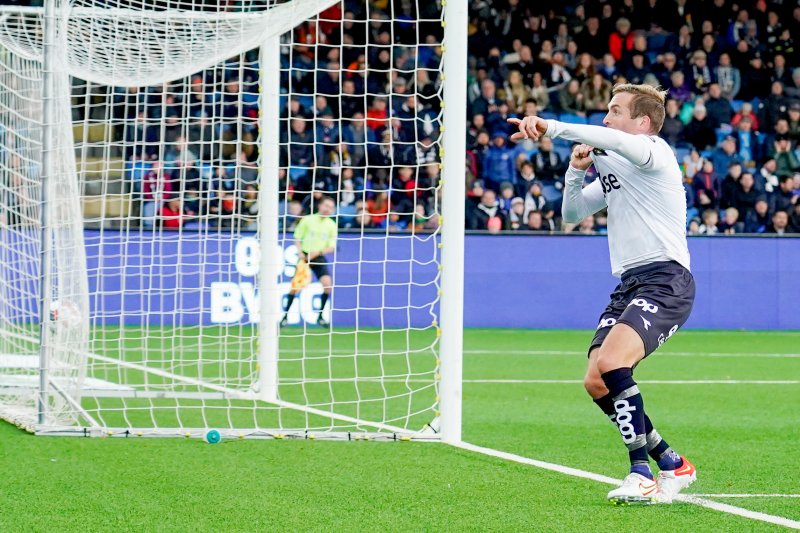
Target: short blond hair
{"points": [[647, 101]]}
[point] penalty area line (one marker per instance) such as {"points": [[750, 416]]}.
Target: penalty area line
{"points": [[575, 472]]}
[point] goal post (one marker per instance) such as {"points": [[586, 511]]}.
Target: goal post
{"points": [[156, 158]]}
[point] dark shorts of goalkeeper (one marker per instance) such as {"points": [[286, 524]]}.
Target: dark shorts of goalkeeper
{"points": [[655, 300], [320, 266]]}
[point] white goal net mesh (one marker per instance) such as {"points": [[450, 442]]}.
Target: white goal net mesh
{"points": [[147, 245]]}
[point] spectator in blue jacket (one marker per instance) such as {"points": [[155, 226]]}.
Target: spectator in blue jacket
{"points": [[498, 166], [758, 220]]}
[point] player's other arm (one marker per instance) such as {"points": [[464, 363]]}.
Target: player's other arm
{"points": [[635, 148], [579, 201]]}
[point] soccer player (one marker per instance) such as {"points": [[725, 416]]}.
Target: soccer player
{"points": [[641, 185], [315, 238]]}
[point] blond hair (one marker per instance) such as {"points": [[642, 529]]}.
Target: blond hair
{"points": [[647, 101]]}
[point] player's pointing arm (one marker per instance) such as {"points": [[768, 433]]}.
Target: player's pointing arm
{"points": [[629, 119]]}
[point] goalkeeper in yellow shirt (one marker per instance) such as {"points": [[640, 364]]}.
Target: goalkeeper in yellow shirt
{"points": [[315, 238]]}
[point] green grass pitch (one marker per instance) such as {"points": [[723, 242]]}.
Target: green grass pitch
{"points": [[741, 436]]}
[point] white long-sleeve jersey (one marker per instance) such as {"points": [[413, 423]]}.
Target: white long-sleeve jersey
{"points": [[641, 184]]}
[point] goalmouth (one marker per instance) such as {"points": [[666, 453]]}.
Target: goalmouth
{"points": [[155, 158]]}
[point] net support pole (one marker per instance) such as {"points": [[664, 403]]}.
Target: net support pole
{"points": [[48, 116], [271, 261], [454, 75]]}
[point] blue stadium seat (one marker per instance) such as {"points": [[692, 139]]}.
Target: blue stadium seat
{"points": [[596, 119], [548, 115], [682, 153], [563, 151], [572, 119], [736, 105]]}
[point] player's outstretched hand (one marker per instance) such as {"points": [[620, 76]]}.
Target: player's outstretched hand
{"points": [[529, 128], [580, 159]]}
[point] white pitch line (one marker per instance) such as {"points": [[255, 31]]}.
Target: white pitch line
{"points": [[722, 507], [660, 354], [647, 381], [545, 353], [746, 495]]}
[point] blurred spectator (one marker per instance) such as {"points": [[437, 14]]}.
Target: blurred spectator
{"points": [[570, 98], [694, 226], [784, 198], [539, 92], [596, 93], [746, 195], [780, 223], [672, 130], [499, 163], [746, 111], [725, 154], [488, 215], [730, 223], [534, 199], [766, 179], [516, 92], [526, 176], [591, 39], [755, 79], [794, 122], [638, 70], [173, 214], [785, 157], [728, 76], [536, 222], [678, 88], [774, 106], [517, 213], [506, 196], [710, 221], [794, 218], [706, 186], [621, 40], [719, 109], [700, 131], [730, 184], [698, 73], [487, 102], [758, 220], [747, 145], [585, 226]]}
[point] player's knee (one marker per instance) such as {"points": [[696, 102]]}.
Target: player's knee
{"points": [[594, 385], [608, 361]]}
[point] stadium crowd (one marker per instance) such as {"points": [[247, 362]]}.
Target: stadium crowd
{"points": [[733, 109], [370, 136]]}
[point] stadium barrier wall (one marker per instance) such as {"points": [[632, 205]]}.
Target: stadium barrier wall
{"points": [[515, 281]]}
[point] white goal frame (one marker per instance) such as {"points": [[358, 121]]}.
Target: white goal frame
{"points": [[454, 104]]}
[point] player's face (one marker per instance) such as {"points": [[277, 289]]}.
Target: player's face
{"points": [[619, 115]]}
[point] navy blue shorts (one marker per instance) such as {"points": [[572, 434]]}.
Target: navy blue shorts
{"points": [[655, 300], [319, 266]]}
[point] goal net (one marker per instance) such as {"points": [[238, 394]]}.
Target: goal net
{"points": [[156, 157]]}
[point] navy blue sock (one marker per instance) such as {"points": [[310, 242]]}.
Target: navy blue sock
{"points": [[606, 404], [659, 450], [629, 409], [657, 447]]}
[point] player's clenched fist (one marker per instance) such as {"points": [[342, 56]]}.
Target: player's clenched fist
{"points": [[529, 128], [580, 158]]}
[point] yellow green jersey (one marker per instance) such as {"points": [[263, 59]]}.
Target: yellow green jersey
{"points": [[316, 233]]}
